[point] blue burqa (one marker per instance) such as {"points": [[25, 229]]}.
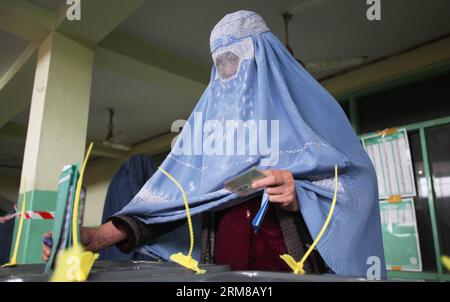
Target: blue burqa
{"points": [[301, 128], [125, 184]]}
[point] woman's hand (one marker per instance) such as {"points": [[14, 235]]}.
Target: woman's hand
{"points": [[47, 246], [281, 189], [86, 236], [93, 239]]}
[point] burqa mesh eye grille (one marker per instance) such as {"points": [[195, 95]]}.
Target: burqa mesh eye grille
{"points": [[227, 64]]}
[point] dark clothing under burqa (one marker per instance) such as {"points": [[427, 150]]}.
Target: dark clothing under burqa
{"points": [[126, 183], [6, 238]]}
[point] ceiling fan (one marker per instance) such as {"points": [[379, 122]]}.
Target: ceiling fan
{"points": [[114, 141], [318, 65]]}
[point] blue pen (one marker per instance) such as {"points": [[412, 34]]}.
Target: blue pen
{"points": [[257, 221], [48, 242]]}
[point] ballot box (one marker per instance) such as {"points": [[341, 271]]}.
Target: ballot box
{"points": [[153, 271], [113, 271]]}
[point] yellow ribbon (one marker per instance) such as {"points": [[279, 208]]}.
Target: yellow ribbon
{"points": [[446, 262], [297, 267], [75, 264], [185, 260], [13, 261], [75, 236]]}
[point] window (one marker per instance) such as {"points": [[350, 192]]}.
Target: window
{"points": [[438, 146], [346, 107], [407, 104], [421, 205]]}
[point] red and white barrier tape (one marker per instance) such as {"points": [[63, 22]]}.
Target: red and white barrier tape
{"points": [[39, 215]]}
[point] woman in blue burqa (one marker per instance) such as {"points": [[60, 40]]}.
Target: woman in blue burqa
{"points": [[295, 132]]}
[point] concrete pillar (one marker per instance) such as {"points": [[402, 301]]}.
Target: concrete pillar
{"points": [[56, 133]]}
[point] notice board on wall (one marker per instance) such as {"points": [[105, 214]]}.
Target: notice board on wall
{"points": [[400, 236], [391, 157]]}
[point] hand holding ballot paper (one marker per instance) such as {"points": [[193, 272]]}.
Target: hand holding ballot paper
{"points": [[242, 184], [279, 187], [279, 184]]}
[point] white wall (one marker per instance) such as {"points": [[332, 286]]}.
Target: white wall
{"points": [[98, 175], [97, 178], [9, 187]]}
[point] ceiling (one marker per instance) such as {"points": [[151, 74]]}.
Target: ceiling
{"points": [[142, 110], [11, 47], [51, 5], [325, 29]]}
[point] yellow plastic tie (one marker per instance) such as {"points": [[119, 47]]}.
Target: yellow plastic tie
{"points": [[75, 236], [185, 260], [75, 264], [13, 261], [297, 267], [446, 262]]}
